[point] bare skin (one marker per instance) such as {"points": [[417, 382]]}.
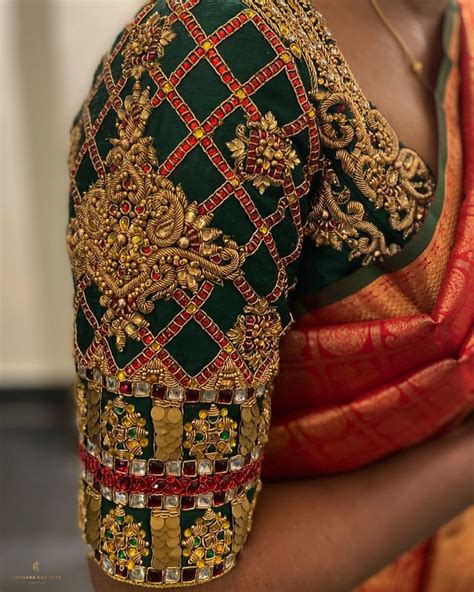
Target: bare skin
{"points": [[341, 530], [382, 69]]}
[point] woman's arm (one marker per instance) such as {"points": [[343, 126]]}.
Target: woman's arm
{"points": [[343, 529]]}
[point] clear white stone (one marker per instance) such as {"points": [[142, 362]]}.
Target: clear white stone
{"points": [[204, 573], [255, 453], [106, 492], [171, 575], [240, 395], [260, 390], [229, 561], [204, 500], [171, 501], [91, 447], [175, 393], [138, 467], [96, 375], [236, 462], [108, 459], [137, 500], [173, 467], [89, 478], [111, 383], [107, 564], [204, 466], [142, 389], [230, 494], [208, 396], [81, 370], [249, 484], [138, 574], [120, 497]]}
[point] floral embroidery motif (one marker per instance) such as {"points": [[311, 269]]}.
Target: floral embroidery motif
{"points": [[146, 44], [211, 436], [265, 156], [335, 220], [356, 134], [256, 334], [123, 540], [123, 429], [137, 237], [208, 540]]}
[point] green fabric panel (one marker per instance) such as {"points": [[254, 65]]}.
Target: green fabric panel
{"points": [[247, 51], [86, 175], [167, 129], [85, 333], [197, 175], [211, 14], [260, 270], [279, 97], [98, 102], [203, 103], [285, 235], [108, 131], [132, 348], [233, 220], [193, 348], [165, 311], [223, 305]]}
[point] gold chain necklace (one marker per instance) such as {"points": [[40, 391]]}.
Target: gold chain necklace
{"points": [[416, 66]]}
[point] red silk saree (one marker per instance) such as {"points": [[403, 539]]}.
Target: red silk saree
{"points": [[379, 364]]}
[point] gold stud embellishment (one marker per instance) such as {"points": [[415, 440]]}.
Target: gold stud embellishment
{"points": [[123, 540], [256, 334], [262, 152], [212, 435], [123, 429], [208, 541], [146, 44]]}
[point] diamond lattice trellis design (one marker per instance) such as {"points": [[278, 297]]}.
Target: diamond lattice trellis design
{"points": [[205, 125]]}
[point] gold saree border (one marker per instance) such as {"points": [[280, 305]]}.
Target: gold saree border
{"points": [[409, 282]]}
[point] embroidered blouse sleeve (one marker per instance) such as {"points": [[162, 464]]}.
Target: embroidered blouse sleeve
{"points": [[190, 166]]}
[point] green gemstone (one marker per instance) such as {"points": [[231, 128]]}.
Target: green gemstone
{"points": [[132, 541], [199, 437], [132, 433], [120, 519], [197, 541], [209, 554], [220, 535], [119, 410], [121, 554], [109, 534], [225, 435]]}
